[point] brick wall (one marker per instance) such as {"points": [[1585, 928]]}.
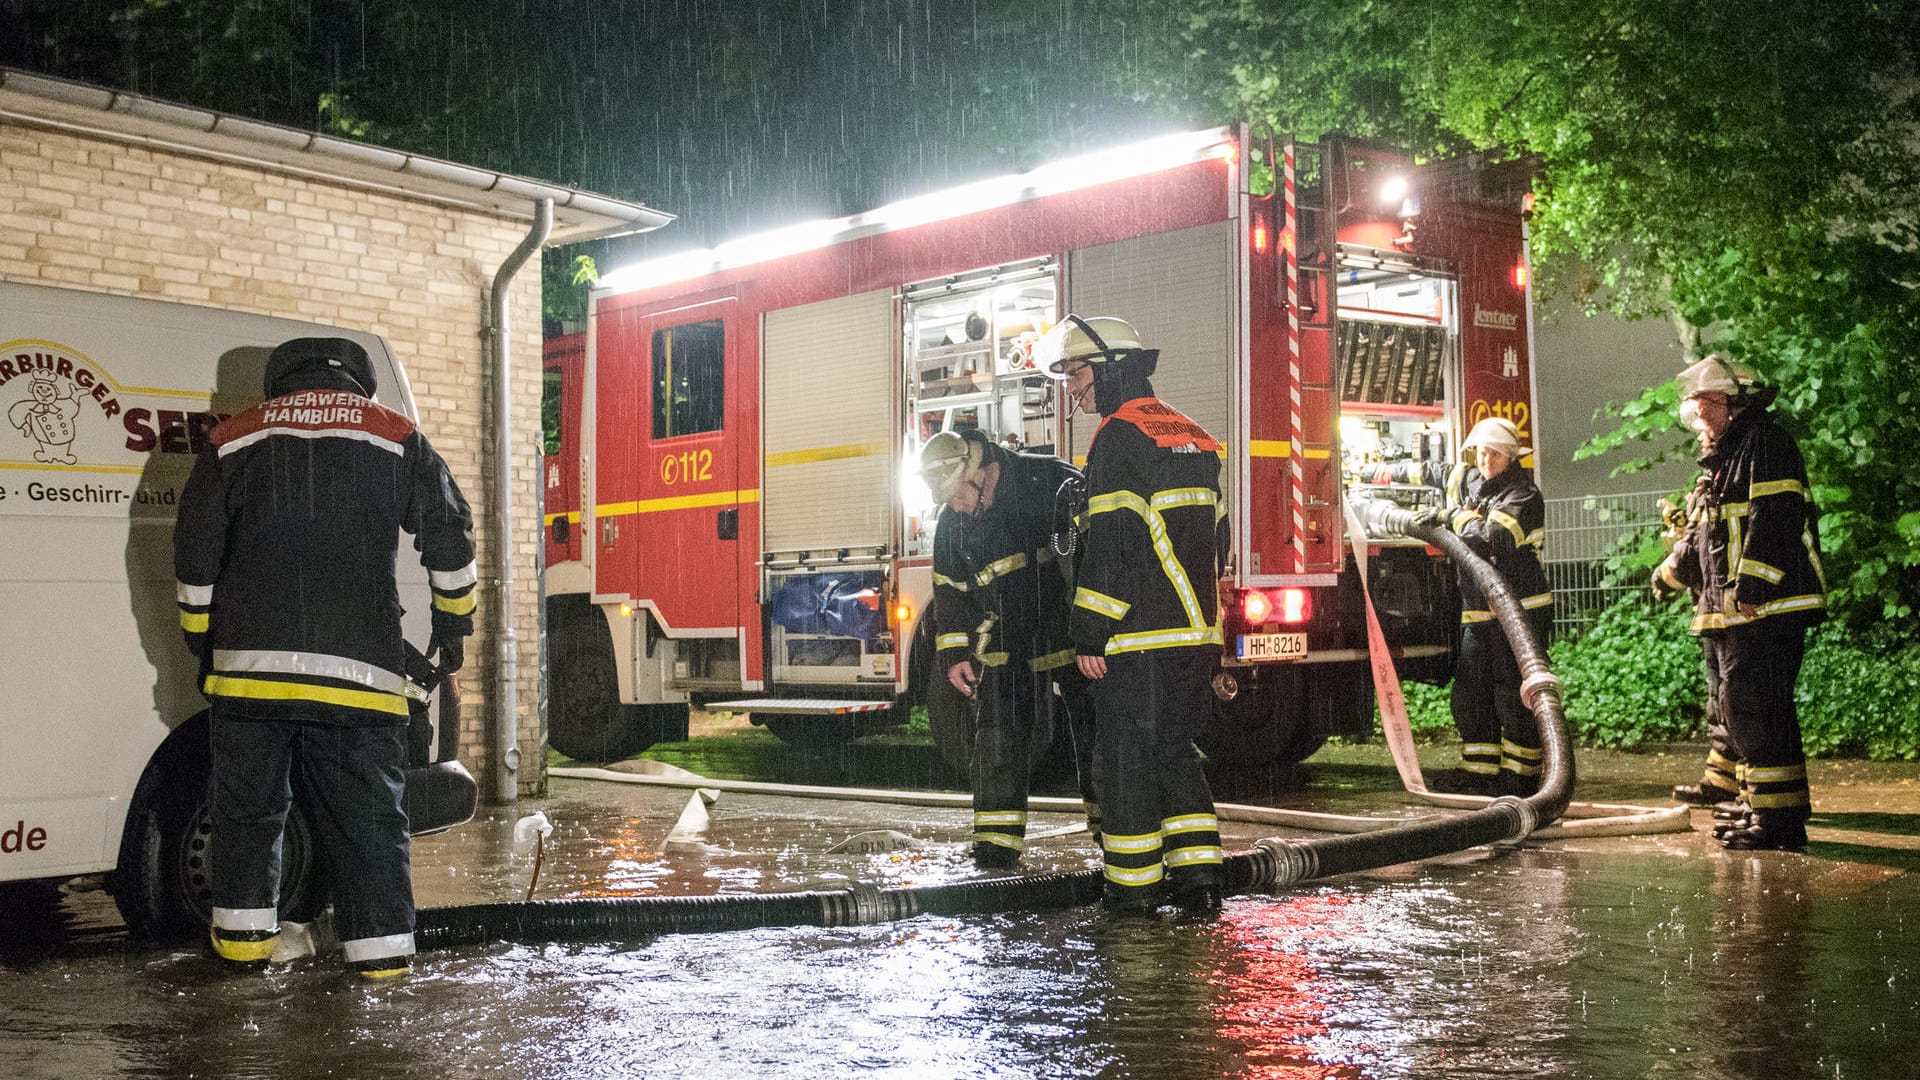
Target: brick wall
{"points": [[94, 214]]}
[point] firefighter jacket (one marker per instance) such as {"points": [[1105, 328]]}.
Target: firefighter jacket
{"points": [[1752, 536], [1000, 588], [1149, 568], [1503, 519], [285, 552]]}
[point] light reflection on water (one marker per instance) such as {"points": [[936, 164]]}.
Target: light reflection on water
{"points": [[1602, 959]]}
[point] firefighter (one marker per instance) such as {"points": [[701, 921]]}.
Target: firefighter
{"points": [[1751, 557], [1001, 595], [1492, 504], [285, 550], [1146, 623], [1720, 776]]}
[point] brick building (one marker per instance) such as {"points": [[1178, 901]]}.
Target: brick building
{"points": [[123, 194]]}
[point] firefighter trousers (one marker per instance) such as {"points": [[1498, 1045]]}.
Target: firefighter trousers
{"points": [[1724, 764], [1157, 819], [1498, 735], [1756, 666], [351, 783], [1015, 705]]}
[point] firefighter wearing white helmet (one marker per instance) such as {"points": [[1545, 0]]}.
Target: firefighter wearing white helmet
{"points": [[1493, 504], [1146, 623], [1751, 559], [1000, 603]]}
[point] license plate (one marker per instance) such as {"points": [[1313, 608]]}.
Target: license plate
{"points": [[1272, 646]]}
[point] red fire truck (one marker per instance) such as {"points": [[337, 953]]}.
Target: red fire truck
{"points": [[734, 517]]}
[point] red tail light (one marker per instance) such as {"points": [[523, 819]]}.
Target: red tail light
{"points": [[1256, 607]]}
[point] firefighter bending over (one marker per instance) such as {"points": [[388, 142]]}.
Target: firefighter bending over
{"points": [[1146, 621], [1001, 594], [1494, 506], [1751, 557], [285, 552]]}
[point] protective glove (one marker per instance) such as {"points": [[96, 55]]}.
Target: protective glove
{"points": [[1662, 592], [450, 649], [1429, 517]]}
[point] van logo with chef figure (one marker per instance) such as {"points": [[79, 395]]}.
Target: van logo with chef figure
{"points": [[56, 384]]}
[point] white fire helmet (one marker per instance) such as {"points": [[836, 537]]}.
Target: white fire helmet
{"points": [[1715, 373], [1095, 340], [948, 461], [1496, 433]]}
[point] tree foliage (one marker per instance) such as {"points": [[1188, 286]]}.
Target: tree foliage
{"points": [[1749, 168]]}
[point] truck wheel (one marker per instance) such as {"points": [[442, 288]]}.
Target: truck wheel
{"points": [[1266, 723], [585, 718], [163, 882], [817, 733]]}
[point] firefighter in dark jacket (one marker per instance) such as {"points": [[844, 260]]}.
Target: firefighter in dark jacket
{"points": [[285, 551], [1001, 595], [1491, 502], [1751, 558], [1146, 623]]}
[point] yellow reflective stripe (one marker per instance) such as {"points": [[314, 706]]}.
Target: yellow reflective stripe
{"points": [[1537, 538], [1519, 768], [1051, 660], [197, 595], [1117, 500], [1100, 602], [1467, 617], [1130, 845], [826, 453], [1779, 800], [950, 641], [1269, 448], [1756, 568], [1161, 639], [193, 622], [1480, 768], [454, 605], [993, 659], [952, 583], [1195, 856], [1172, 497], [265, 690], [1717, 760], [1120, 875], [1510, 523], [999, 817], [1733, 509], [999, 567], [1775, 487], [1486, 748], [1666, 575], [571, 515], [1457, 484], [1776, 774], [678, 502], [1461, 518], [1017, 843], [1793, 603], [1515, 750], [1537, 600], [1190, 823]]}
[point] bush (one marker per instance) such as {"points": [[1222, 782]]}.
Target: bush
{"points": [[1634, 676], [1860, 698]]}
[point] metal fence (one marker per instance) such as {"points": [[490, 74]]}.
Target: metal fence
{"points": [[1582, 532]]}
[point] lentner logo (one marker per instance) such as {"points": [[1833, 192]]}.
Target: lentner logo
{"points": [[1495, 320]]}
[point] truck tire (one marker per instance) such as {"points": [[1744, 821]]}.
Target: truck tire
{"points": [[816, 733], [585, 718], [163, 882], [1269, 722]]}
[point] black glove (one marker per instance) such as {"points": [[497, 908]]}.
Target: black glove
{"points": [[449, 649], [1428, 516]]}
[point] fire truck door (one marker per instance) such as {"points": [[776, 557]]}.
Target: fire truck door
{"points": [[670, 515]]}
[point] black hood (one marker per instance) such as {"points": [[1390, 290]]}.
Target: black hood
{"points": [[1117, 382], [317, 363]]}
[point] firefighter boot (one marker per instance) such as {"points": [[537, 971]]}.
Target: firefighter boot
{"points": [[1459, 782], [383, 968], [1767, 832], [1131, 900], [243, 948], [1196, 893], [994, 857], [1702, 794]]}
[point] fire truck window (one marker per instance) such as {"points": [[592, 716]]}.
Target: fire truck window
{"points": [[550, 389], [689, 379]]}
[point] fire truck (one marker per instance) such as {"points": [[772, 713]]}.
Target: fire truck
{"points": [[734, 517]]}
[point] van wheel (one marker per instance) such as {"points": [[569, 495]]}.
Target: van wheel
{"points": [[163, 882], [815, 733], [585, 718]]}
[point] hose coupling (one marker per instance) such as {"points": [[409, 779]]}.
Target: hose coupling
{"points": [[1278, 862], [858, 903], [1536, 684], [1526, 818]]}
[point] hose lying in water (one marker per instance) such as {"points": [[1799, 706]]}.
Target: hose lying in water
{"points": [[1273, 864]]}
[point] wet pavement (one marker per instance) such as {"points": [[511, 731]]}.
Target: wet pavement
{"points": [[1603, 957]]}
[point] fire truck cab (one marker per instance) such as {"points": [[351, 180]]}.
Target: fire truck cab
{"points": [[734, 515]]}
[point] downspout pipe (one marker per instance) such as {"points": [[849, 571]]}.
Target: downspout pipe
{"points": [[1274, 864], [504, 691]]}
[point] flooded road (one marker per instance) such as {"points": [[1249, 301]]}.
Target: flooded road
{"points": [[1600, 957]]}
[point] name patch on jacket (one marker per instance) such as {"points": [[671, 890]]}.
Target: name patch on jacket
{"points": [[1167, 426], [315, 414]]}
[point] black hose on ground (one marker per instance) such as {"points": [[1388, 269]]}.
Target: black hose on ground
{"points": [[1273, 863]]}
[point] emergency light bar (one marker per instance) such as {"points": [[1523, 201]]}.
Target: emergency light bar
{"points": [[1071, 174]]}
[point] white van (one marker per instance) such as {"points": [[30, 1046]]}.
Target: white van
{"points": [[103, 731]]}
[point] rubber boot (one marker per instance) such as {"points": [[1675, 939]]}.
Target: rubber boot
{"points": [[1459, 782], [1767, 832], [384, 968], [1131, 900], [1702, 794], [243, 948], [994, 857]]}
